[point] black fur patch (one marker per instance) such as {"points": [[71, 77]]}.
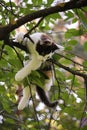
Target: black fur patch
{"points": [[44, 49], [44, 98]]}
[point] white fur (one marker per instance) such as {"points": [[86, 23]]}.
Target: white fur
{"points": [[36, 37], [33, 64], [19, 37], [24, 100], [48, 84]]}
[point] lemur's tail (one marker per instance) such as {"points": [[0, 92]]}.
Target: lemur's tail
{"points": [[44, 98]]}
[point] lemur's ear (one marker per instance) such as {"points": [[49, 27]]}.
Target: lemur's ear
{"points": [[46, 40]]}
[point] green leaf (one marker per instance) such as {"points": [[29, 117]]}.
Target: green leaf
{"points": [[49, 2], [40, 2], [6, 105], [37, 2], [74, 20], [85, 64], [72, 33], [66, 62], [53, 17], [72, 42], [68, 48], [37, 78], [56, 57], [2, 89], [69, 14], [82, 17], [85, 46], [9, 120]]}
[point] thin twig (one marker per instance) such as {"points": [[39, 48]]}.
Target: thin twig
{"points": [[85, 81], [8, 62], [3, 4], [27, 34], [18, 56], [73, 79], [72, 60], [59, 90], [11, 5], [33, 102], [75, 72], [12, 117], [36, 25], [85, 106], [2, 51], [51, 117]]}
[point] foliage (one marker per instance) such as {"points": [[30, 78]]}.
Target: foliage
{"points": [[68, 88]]}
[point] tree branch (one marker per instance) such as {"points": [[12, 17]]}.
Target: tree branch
{"points": [[83, 75], [41, 13], [27, 34], [11, 43]]}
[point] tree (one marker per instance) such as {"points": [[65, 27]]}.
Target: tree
{"points": [[70, 82]]}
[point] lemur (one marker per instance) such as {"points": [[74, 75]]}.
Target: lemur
{"points": [[41, 49]]}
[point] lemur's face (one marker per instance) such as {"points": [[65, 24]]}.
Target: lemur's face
{"points": [[45, 44]]}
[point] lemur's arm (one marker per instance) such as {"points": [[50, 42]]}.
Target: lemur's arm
{"points": [[33, 64]]}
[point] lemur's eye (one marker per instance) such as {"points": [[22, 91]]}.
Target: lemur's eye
{"points": [[47, 43]]}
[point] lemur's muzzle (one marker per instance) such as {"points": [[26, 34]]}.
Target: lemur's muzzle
{"points": [[59, 49]]}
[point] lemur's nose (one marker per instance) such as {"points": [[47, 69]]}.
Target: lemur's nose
{"points": [[60, 48]]}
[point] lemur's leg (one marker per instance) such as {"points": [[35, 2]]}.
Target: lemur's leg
{"points": [[44, 98], [43, 93]]}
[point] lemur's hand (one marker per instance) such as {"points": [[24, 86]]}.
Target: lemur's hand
{"points": [[19, 37]]}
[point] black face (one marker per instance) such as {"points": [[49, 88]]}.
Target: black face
{"points": [[46, 48]]}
